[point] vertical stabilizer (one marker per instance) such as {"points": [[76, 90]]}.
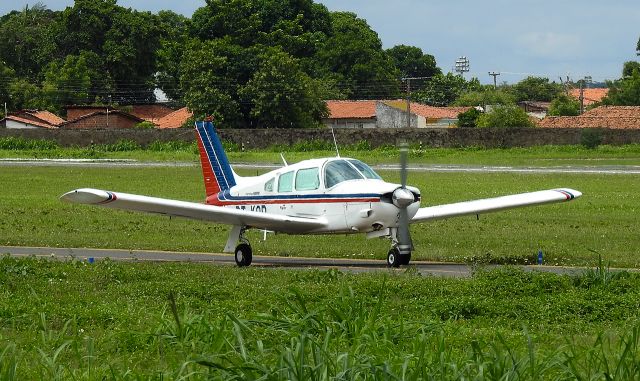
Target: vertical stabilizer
{"points": [[217, 172]]}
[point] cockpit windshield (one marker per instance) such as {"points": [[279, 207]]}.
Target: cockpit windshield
{"points": [[337, 171], [365, 169]]}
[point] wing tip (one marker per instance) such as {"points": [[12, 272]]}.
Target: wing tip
{"points": [[88, 196]]}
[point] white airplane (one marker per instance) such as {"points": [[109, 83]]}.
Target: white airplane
{"points": [[318, 196]]}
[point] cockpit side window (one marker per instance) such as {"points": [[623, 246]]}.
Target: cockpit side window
{"points": [[365, 169], [268, 186], [307, 179], [338, 171], [285, 182]]}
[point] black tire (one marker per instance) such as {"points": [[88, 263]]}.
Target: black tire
{"points": [[393, 258], [243, 255], [405, 259]]}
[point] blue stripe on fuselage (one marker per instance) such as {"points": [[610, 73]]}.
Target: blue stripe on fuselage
{"points": [[226, 196]]}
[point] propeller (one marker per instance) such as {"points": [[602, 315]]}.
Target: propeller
{"points": [[402, 198]]}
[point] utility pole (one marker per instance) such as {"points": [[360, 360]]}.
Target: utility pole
{"points": [[408, 102], [494, 75], [581, 97]]}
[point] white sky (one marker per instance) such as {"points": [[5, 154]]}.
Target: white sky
{"points": [[514, 37]]}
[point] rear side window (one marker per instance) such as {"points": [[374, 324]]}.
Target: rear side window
{"points": [[268, 186], [307, 179], [285, 182]]}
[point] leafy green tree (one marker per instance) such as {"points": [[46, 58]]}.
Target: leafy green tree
{"points": [[174, 39], [505, 117], [629, 67], [27, 40], [444, 89], [625, 91], [486, 96], [536, 89], [26, 95], [353, 54], [67, 83], [469, 118], [564, 105], [7, 75], [281, 94], [412, 62]]}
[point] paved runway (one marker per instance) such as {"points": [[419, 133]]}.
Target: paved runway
{"points": [[347, 265]]}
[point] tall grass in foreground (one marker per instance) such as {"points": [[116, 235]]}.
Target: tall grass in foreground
{"points": [[301, 340]]}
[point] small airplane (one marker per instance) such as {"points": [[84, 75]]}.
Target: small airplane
{"points": [[332, 195]]}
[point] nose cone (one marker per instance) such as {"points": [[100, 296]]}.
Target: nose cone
{"points": [[402, 197]]}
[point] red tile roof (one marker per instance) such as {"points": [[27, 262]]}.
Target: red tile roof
{"points": [[618, 117], [152, 112], [48, 117], [352, 109], [591, 96], [175, 119], [429, 112], [30, 121]]}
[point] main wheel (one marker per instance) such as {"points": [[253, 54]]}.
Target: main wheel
{"points": [[243, 255], [393, 258]]}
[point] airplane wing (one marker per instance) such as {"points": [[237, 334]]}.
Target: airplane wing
{"points": [[495, 204], [193, 210]]}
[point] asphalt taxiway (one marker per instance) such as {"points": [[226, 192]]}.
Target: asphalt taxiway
{"points": [[347, 265]]}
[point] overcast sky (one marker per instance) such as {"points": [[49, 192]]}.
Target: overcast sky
{"points": [[514, 37]]}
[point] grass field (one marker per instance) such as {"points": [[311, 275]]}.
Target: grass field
{"points": [[604, 220], [131, 321], [138, 321]]}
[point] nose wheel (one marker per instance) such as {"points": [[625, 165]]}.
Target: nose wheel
{"points": [[243, 255], [395, 259]]}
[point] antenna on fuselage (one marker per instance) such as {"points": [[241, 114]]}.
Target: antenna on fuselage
{"points": [[335, 143], [284, 161]]}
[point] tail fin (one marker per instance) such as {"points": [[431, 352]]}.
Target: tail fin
{"points": [[217, 172]]}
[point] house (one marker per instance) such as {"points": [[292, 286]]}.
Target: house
{"points": [[351, 114], [389, 114], [536, 109], [151, 112], [103, 119], [30, 119], [615, 117], [175, 119]]}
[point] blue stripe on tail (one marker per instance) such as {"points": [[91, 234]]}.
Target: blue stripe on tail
{"points": [[216, 155]]}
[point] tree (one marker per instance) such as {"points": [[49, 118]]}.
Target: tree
{"points": [[67, 83], [625, 91], [412, 62], [7, 75], [486, 96], [638, 47], [281, 94], [173, 41], [26, 95], [505, 117], [27, 40], [564, 105], [353, 56], [629, 67], [443, 90], [536, 89]]}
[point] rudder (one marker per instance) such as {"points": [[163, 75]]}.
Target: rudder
{"points": [[216, 170]]}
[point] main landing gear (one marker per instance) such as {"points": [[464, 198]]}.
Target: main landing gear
{"points": [[242, 252]]}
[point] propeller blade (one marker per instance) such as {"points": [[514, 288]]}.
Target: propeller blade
{"points": [[405, 245], [404, 150]]}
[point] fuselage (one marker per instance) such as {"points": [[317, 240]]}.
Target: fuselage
{"points": [[328, 188]]}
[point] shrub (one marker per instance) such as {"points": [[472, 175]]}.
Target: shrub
{"points": [[591, 137], [145, 124], [505, 117], [469, 118]]}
